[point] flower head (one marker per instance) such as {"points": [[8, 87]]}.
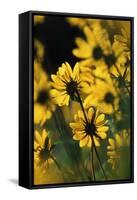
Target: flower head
{"points": [[43, 104], [39, 51], [103, 95], [116, 147], [66, 84], [91, 130], [42, 149], [97, 49], [121, 75], [92, 49]]}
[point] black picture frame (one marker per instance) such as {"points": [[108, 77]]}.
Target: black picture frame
{"points": [[26, 99]]}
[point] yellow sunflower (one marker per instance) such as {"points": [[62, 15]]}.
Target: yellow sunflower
{"points": [[116, 147], [98, 48], [119, 51], [42, 150], [38, 19], [121, 74], [93, 73], [119, 54], [66, 84], [43, 104], [104, 96], [91, 129], [92, 49], [121, 70], [123, 40]]}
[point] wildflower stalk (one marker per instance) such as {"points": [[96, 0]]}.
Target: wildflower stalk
{"points": [[99, 161], [58, 166], [81, 104], [123, 77], [93, 147], [94, 178]]}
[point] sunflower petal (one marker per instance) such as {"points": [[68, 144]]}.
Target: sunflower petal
{"points": [[100, 119], [76, 71], [96, 141], [38, 138], [103, 129], [102, 135], [84, 141]]}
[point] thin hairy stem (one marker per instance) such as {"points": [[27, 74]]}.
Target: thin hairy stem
{"points": [[81, 104], [94, 147], [55, 161], [99, 161], [93, 172]]}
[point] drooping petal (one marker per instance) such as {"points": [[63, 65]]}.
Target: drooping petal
{"points": [[96, 141], [84, 141], [89, 144], [78, 135], [56, 93]]}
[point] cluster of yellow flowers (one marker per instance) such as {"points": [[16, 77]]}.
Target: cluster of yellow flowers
{"points": [[99, 83]]}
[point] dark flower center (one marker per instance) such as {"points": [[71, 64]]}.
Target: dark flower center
{"points": [[93, 67], [43, 97], [97, 53], [90, 129], [121, 82], [44, 154], [110, 60], [109, 98], [71, 88]]}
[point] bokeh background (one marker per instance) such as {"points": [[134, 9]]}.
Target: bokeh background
{"points": [[54, 40]]}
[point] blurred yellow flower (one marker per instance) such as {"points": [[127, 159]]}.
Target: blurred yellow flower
{"points": [[66, 84], [43, 104], [39, 50], [97, 50], [42, 150], [93, 73], [81, 22], [38, 19], [75, 21], [92, 49], [123, 40], [115, 147], [121, 75], [104, 96], [121, 70], [90, 130]]}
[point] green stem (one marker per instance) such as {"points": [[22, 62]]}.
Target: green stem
{"points": [[80, 101], [81, 104], [94, 178], [99, 161], [58, 166]]}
